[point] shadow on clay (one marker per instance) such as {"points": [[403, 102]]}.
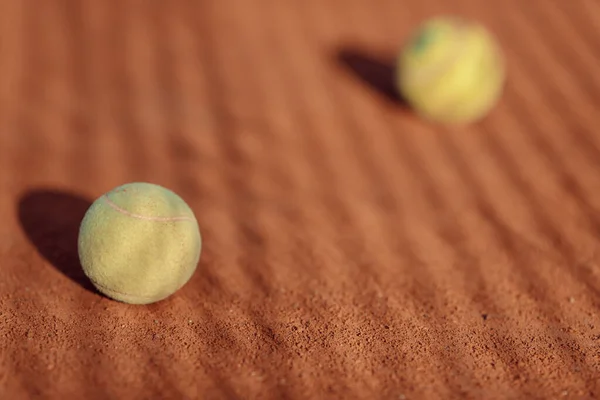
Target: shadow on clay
{"points": [[377, 73], [50, 219]]}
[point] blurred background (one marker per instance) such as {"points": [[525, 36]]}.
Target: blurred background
{"points": [[351, 250]]}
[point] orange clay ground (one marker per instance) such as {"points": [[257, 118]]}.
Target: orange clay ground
{"points": [[351, 250]]}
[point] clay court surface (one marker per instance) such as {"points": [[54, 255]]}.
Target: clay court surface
{"points": [[351, 250]]}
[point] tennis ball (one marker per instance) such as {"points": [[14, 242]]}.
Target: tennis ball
{"points": [[451, 70], [139, 243]]}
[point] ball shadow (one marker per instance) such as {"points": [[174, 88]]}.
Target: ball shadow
{"points": [[377, 73], [51, 219]]}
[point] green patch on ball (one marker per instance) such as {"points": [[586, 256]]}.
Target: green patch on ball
{"points": [[139, 243], [423, 39]]}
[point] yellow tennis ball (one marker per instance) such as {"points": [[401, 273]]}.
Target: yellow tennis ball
{"points": [[139, 243], [451, 70]]}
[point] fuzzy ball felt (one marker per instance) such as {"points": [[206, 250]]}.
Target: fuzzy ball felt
{"points": [[139, 243]]}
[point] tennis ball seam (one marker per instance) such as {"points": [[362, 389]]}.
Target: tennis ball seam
{"points": [[453, 104], [118, 292], [123, 211]]}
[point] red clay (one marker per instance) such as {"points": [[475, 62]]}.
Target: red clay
{"points": [[350, 249]]}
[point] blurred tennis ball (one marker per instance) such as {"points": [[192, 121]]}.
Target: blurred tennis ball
{"points": [[451, 70]]}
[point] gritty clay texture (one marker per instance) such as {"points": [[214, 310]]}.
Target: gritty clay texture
{"points": [[351, 250]]}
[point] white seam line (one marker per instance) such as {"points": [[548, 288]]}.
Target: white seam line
{"points": [[120, 293], [144, 217]]}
